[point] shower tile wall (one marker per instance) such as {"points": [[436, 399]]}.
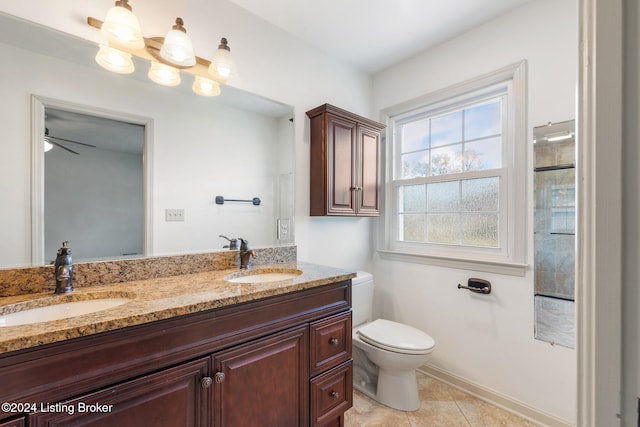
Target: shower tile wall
{"points": [[555, 219]]}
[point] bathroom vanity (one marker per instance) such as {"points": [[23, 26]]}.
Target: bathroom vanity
{"points": [[276, 353]]}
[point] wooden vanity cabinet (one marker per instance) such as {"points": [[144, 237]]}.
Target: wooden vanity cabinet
{"points": [[176, 396], [19, 422], [283, 360], [265, 382], [345, 163]]}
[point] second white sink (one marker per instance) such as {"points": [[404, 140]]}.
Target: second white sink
{"points": [[265, 277], [59, 311]]}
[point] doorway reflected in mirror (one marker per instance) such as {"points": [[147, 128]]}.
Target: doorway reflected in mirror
{"points": [[94, 186]]}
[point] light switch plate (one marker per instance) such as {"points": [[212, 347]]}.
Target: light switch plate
{"points": [[174, 214]]}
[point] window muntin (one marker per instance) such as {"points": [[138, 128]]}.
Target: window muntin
{"points": [[449, 176]]}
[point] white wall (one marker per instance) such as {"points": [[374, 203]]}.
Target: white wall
{"points": [[488, 340]]}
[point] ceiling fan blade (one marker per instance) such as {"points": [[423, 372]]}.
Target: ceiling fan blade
{"points": [[73, 142], [63, 147]]}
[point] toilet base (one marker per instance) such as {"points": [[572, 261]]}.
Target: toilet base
{"points": [[397, 390]]}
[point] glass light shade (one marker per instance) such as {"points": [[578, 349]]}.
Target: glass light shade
{"points": [[164, 74], [177, 49], [114, 60], [223, 66], [121, 27], [47, 145], [205, 87]]}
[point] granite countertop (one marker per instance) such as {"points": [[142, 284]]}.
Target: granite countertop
{"points": [[155, 299]]}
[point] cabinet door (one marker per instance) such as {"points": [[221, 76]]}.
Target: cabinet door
{"points": [[368, 170], [13, 423], [263, 383], [176, 396], [341, 156]]}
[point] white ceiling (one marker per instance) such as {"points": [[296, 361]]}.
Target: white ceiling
{"points": [[371, 35]]}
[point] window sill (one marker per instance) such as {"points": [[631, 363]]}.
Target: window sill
{"points": [[498, 267]]}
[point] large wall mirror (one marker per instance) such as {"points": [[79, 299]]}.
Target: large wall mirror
{"points": [[188, 150], [554, 232]]}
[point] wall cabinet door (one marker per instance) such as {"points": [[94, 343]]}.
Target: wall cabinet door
{"points": [[341, 156], [345, 163], [264, 382], [368, 172], [176, 396]]}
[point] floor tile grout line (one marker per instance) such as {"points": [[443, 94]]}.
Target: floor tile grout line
{"points": [[462, 412]]}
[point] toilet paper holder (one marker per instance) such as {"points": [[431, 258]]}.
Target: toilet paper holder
{"points": [[479, 286]]}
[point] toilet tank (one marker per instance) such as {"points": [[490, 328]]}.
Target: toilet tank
{"points": [[361, 297]]}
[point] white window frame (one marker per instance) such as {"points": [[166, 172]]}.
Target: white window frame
{"points": [[510, 258]]}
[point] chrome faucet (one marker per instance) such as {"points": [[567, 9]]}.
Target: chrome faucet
{"points": [[233, 243], [64, 270], [245, 254]]}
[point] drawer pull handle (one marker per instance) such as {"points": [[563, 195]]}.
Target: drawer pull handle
{"points": [[335, 395], [334, 341], [206, 382], [219, 377]]}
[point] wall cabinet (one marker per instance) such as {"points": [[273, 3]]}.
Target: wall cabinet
{"points": [[280, 361], [345, 163]]}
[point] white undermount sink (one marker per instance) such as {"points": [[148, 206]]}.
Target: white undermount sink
{"points": [[59, 311], [265, 277]]}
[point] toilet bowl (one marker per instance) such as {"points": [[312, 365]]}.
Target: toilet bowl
{"points": [[385, 353]]}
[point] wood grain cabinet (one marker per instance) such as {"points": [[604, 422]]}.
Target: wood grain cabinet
{"points": [[345, 163], [19, 422], [173, 394], [278, 361]]}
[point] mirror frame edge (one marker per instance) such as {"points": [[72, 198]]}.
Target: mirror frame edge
{"points": [[38, 105]]}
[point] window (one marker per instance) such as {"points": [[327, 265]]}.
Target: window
{"points": [[456, 184]]}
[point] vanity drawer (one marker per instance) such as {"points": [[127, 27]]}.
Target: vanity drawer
{"points": [[331, 394], [330, 342]]}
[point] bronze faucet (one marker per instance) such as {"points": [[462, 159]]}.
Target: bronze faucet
{"points": [[64, 270], [245, 254]]}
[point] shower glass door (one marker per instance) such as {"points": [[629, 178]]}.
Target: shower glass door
{"points": [[554, 233]]}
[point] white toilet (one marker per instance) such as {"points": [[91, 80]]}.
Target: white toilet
{"points": [[385, 353]]}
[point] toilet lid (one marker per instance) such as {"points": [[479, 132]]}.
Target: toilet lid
{"points": [[396, 337]]}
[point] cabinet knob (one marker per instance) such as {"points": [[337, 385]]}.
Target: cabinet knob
{"points": [[219, 377], [334, 341], [335, 395], [206, 382]]}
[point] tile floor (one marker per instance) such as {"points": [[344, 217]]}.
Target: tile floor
{"points": [[442, 405]]}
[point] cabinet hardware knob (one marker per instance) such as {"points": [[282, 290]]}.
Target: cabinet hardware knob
{"points": [[334, 341], [206, 382], [335, 395], [219, 377]]}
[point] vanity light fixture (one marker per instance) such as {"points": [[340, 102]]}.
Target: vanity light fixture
{"points": [[205, 87], [177, 48], [169, 55], [222, 63], [121, 26], [114, 60], [164, 75]]}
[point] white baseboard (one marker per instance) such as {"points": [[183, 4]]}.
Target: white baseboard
{"points": [[505, 402]]}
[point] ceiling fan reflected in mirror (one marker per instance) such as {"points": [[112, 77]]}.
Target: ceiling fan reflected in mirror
{"points": [[50, 141]]}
